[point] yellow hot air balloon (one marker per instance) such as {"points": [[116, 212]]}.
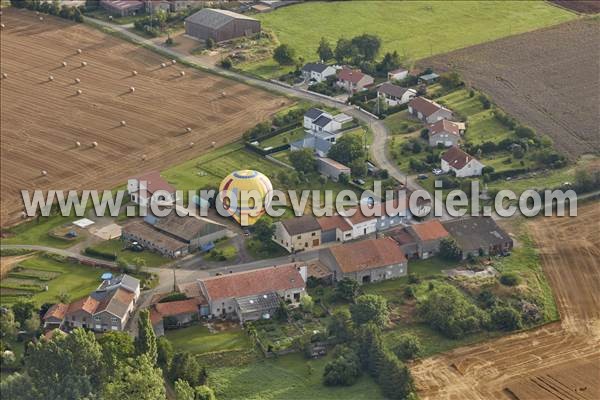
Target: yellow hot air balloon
{"points": [[244, 195]]}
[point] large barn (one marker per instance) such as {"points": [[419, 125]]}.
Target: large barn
{"points": [[220, 25]]}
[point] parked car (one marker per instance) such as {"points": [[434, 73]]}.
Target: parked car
{"points": [[359, 182], [437, 171], [423, 176]]}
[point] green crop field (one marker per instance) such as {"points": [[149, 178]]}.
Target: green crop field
{"points": [[197, 339], [416, 29]]}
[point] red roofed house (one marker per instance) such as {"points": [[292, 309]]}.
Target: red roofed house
{"points": [[463, 164], [150, 186], [253, 294], [173, 314], [427, 110], [428, 236], [55, 315], [366, 261], [445, 132], [353, 80], [335, 228]]}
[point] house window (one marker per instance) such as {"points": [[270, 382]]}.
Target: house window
{"points": [[113, 320], [97, 319], [314, 234]]}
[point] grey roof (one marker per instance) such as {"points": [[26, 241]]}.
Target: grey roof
{"points": [[316, 67], [474, 233], [213, 18], [125, 281], [116, 302], [429, 76], [313, 142], [322, 121], [299, 225], [186, 228], [392, 90], [258, 303], [313, 113]]}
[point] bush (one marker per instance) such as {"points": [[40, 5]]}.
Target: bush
{"points": [[525, 132], [407, 346], [342, 371], [409, 292], [485, 101], [449, 249], [226, 63], [510, 279], [506, 318], [370, 308], [90, 251]]}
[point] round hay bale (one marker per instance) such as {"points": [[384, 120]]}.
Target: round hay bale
{"points": [[182, 73], [78, 51], [144, 157], [94, 144], [2, 26], [188, 129], [41, 18], [163, 65], [77, 143], [77, 80], [44, 172], [50, 78], [131, 89], [79, 91], [123, 123], [173, 62], [83, 63], [223, 94], [213, 144], [4, 75], [191, 144], [64, 63], [134, 73]]}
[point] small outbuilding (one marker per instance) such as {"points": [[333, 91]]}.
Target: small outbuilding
{"points": [[220, 25]]}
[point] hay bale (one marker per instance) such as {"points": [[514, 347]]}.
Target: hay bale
{"points": [[41, 18], [188, 129], [77, 143], [223, 94], [144, 157], [191, 144], [123, 123], [2, 26], [163, 65], [77, 80], [79, 92], [50, 78], [134, 72], [94, 144], [182, 73], [78, 51], [4, 75], [173, 62], [44, 172], [131, 89], [64, 63], [213, 144], [83, 63]]}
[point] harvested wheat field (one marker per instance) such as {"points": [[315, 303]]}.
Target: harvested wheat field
{"points": [[547, 79], [93, 122], [559, 361]]}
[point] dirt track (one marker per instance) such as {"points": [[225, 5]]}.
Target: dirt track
{"points": [[557, 361], [42, 120], [547, 79]]}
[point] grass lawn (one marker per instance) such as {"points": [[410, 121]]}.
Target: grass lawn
{"points": [[410, 27], [258, 251], [290, 377], [198, 340], [284, 138], [401, 123], [38, 233], [224, 248], [115, 246], [75, 279]]}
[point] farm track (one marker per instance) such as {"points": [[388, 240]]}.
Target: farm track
{"points": [[42, 119], [542, 79], [559, 361]]}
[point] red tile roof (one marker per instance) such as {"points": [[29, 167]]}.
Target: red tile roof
{"points": [[256, 281], [173, 308], [425, 106], [444, 125], [367, 254], [456, 158], [334, 222], [87, 304], [351, 75], [155, 182], [57, 311], [430, 230]]}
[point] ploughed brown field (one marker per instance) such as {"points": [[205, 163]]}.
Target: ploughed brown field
{"points": [[42, 120], [560, 361], [547, 79], [582, 6]]}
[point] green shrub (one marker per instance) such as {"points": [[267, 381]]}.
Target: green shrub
{"points": [[510, 279]]}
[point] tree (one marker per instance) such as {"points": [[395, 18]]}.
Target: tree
{"points": [[341, 372], [185, 366], [164, 353], [347, 149], [183, 390], [525, 132], [390, 62], [344, 51], [284, 54], [358, 168], [324, 51], [347, 289], [203, 392], [304, 160], [395, 379], [116, 348], [370, 308], [264, 230], [370, 348], [407, 346], [226, 63], [8, 325], [139, 263], [506, 318], [340, 325], [23, 310], [307, 303], [145, 343], [449, 249], [17, 386], [210, 43], [450, 80], [367, 46], [32, 324], [136, 379], [509, 279]]}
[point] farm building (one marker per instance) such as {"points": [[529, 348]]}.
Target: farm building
{"points": [[335, 228], [427, 110], [122, 8], [463, 164], [427, 236], [197, 233], [320, 146], [429, 78], [298, 233], [395, 95], [397, 74], [171, 5], [331, 168], [478, 236], [55, 316], [229, 295], [353, 80], [174, 314], [150, 188], [445, 132], [220, 25], [317, 72], [152, 239], [256, 306], [365, 261]]}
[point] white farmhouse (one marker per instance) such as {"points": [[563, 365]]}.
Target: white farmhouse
{"points": [[395, 95], [463, 164], [317, 72]]}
